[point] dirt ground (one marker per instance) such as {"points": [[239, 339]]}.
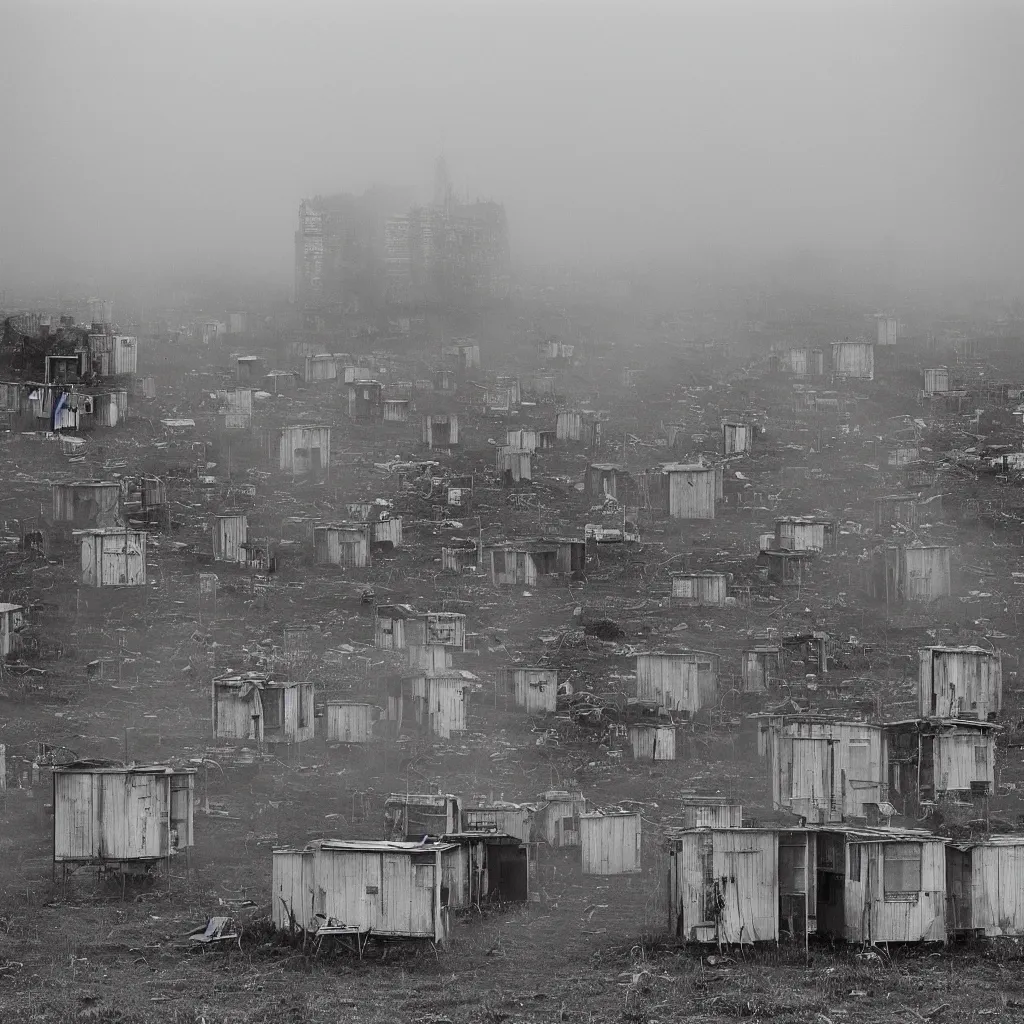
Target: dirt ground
{"points": [[131, 680]]}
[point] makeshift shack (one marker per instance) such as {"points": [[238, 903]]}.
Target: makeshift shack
{"points": [[113, 557], [930, 759], [249, 707], [415, 815], [356, 889], [533, 688], [683, 681], [557, 818], [350, 721], [959, 682], [610, 842], [985, 886]]}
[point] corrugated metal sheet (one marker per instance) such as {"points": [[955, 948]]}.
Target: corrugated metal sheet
{"points": [[959, 682], [230, 533], [111, 355], [350, 723], [342, 545], [679, 682], [691, 493], [653, 742], [854, 359], [610, 843], [113, 558]]}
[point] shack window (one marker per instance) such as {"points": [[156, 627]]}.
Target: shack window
{"points": [[902, 874], [273, 709], [980, 757], [859, 760], [792, 864], [854, 872]]}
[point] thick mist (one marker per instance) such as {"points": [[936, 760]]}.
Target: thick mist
{"points": [[165, 138]]}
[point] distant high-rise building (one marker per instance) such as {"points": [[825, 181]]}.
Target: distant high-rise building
{"points": [[378, 249]]}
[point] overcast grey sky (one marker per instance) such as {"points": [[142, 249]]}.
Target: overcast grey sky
{"points": [[171, 135]]}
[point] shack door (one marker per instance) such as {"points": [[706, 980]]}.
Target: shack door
{"points": [[121, 567], [793, 877], [315, 461], [811, 778], [745, 869], [508, 874], [959, 915]]}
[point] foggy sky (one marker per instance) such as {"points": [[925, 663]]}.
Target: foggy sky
{"points": [[173, 136]]}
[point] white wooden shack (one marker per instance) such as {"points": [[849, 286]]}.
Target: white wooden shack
{"points": [[230, 533], [610, 843], [803, 362], [390, 890], [304, 450], [533, 688], [606, 479], [439, 702], [557, 818], [706, 811], [700, 589], [959, 682], [441, 430], [386, 533], [568, 425], [512, 465], [930, 759], [878, 885], [87, 503], [936, 380], [113, 557], [499, 816], [249, 368], [652, 742], [12, 619], [691, 490], [737, 438], [854, 359], [683, 681], [234, 408], [805, 533], [985, 886], [760, 668], [415, 815], [460, 557], [896, 510], [739, 886], [350, 721], [391, 624], [919, 573], [890, 330], [250, 707], [121, 817], [823, 770], [322, 366], [343, 544]]}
